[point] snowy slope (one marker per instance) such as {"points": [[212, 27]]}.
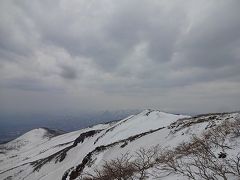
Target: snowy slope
{"points": [[40, 155]]}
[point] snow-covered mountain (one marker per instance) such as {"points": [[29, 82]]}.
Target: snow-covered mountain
{"points": [[47, 154]]}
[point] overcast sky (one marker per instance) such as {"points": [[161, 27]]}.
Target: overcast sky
{"points": [[76, 55]]}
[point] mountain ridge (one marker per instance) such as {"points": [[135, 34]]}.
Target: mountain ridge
{"points": [[68, 155]]}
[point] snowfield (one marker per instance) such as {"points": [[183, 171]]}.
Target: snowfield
{"points": [[48, 155]]}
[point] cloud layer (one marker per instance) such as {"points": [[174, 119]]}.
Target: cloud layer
{"points": [[76, 55]]}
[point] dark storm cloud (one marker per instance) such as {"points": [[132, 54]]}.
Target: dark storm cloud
{"points": [[115, 49]]}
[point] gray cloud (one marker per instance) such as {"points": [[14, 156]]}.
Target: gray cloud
{"points": [[28, 84], [211, 42], [68, 72], [124, 54]]}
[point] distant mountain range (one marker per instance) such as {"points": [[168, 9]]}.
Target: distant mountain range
{"points": [[13, 126]]}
